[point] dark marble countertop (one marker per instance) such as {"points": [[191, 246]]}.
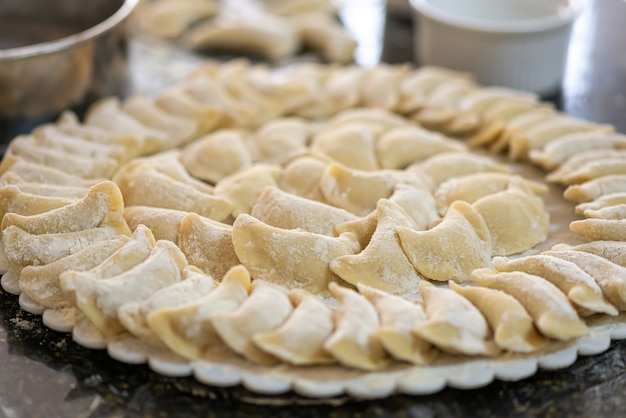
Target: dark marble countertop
{"points": [[44, 373]]}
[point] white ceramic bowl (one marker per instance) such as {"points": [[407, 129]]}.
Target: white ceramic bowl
{"points": [[520, 44]]}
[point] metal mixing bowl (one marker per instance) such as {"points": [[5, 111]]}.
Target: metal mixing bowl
{"points": [[57, 55]]}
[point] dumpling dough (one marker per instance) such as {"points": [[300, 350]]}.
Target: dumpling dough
{"points": [[207, 244], [280, 140], [39, 173], [517, 219], [398, 317], [164, 223], [553, 314], [244, 188], [453, 324], [267, 308], [593, 189], [302, 177], [472, 187], [382, 264], [292, 258], [600, 229], [354, 342], [403, 146], [187, 329], [352, 145], [567, 147], [614, 251], [453, 248], [579, 287], [512, 325], [100, 299], [288, 211], [610, 277], [195, 285], [216, 155], [441, 167], [300, 338]]}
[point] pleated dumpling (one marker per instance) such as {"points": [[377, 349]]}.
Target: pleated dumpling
{"points": [[453, 248], [350, 144], [595, 188], [194, 285], [216, 155], [580, 288], [472, 187], [291, 258], [299, 340], [441, 167], [207, 244], [398, 317], [403, 146], [600, 229], [609, 276], [187, 329], [102, 206], [267, 308], [354, 342], [245, 187], [513, 328], [382, 264], [517, 219], [100, 299], [42, 282], [452, 323], [289, 211], [614, 251], [552, 313]]}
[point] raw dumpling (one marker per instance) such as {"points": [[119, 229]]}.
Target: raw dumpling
{"points": [[453, 248], [441, 167], [292, 258], [164, 223], [512, 326], [398, 317], [302, 177], [38, 173], [267, 308], [217, 155], [553, 314], [417, 202], [593, 189], [187, 329], [100, 299], [194, 286], [600, 229], [178, 101], [14, 200], [610, 277], [403, 146], [573, 164], [350, 144], [580, 288], [288, 211], [453, 324], [614, 251], [245, 187], [354, 342], [207, 244], [280, 140], [299, 340], [324, 34], [517, 219], [472, 187], [382, 264]]}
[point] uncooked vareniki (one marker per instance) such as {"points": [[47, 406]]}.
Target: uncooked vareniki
{"points": [[398, 317], [354, 342], [382, 264], [350, 144], [452, 323], [614, 251], [552, 313], [299, 340], [593, 189], [513, 327], [580, 288], [600, 229], [453, 248], [164, 223], [245, 187], [292, 258]]}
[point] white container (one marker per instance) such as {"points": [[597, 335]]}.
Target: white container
{"points": [[521, 44]]}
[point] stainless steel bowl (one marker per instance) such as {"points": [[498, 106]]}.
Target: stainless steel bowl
{"points": [[57, 55]]}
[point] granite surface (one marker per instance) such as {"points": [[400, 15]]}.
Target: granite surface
{"points": [[45, 374]]}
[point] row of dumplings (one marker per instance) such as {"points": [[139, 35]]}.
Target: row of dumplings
{"points": [[272, 29]]}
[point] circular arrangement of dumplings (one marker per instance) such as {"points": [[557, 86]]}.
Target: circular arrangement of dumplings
{"points": [[272, 29], [317, 215]]}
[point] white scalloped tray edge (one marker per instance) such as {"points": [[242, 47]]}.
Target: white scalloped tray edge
{"points": [[227, 369]]}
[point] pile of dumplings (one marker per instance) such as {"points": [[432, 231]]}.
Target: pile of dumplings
{"points": [[317, 214], [274, 30]]}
